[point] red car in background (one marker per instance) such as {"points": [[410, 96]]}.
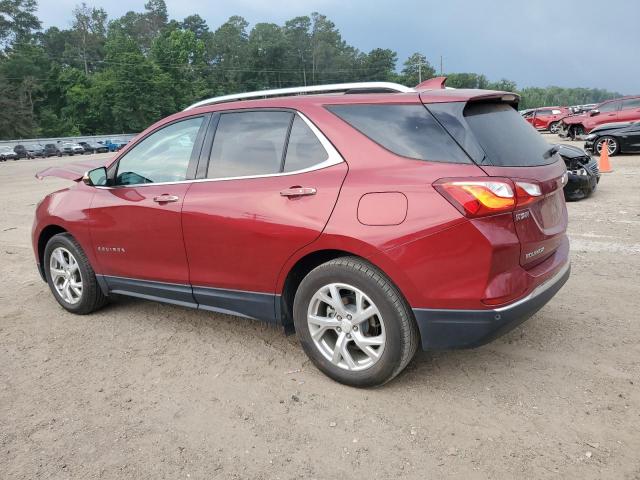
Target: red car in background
{"points": [[546, 118], [372, 219], [625, 109]]}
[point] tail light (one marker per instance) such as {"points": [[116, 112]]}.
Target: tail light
{"points": [[480, 198], [527, 192]]}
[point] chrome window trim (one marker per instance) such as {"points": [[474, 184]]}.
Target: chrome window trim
{"points": [[333, 158]]}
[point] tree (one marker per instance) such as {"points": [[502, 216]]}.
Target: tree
{"points": [[379, 64], [266, 49], [197, 25], [467, 80], [298, 38], [89, 34], [227, 51], [17, 21], [417, 69]]}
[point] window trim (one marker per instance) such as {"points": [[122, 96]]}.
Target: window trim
{"points": [[333, 158]]}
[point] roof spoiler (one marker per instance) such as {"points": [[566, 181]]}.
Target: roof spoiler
{"points": [[435, 83]]}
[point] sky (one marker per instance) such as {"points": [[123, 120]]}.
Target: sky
{"points": [[585, 43]]}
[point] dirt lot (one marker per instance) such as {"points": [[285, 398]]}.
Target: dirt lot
{"points": [[143, 390]]}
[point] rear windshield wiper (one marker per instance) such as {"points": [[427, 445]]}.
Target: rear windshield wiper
{"points": [[551, 152]]}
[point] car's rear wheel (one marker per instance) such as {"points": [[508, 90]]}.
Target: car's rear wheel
{"points": [[613, 147], [70, 276], [353, 323], [554, 127]]}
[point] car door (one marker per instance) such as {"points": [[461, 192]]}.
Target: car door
{"points": [[271, 184], [608, 113], [541, 118], [135, 221], [630, 110], [630, 138]]}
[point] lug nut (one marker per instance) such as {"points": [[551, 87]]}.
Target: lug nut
{"points": [[339, 317], [355, 328], [348, 317], [339, 329], [348, 335]]}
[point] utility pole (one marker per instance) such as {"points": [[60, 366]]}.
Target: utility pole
{"points": [[440, 65]]}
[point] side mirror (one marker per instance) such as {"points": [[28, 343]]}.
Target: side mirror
{"points": [[594, 112], [96, 177]]}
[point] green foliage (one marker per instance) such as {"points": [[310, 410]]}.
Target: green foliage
{"points": [[101, 76], [417, 69]]}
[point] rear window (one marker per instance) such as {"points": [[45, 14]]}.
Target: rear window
{"points": [[506, 138], [406, 130]]}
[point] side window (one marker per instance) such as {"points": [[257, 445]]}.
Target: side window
{"points": [[161, 157], [248, 143], [631, 103], [609, 107], [304, 149], [406, 130]]}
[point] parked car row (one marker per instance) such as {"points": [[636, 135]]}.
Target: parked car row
{"points": [[59, 149], [578, 121]]}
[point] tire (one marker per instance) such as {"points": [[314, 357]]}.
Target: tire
{"points": [[91, 297], [613, 145], [576, 131], [391, 333], [554, 127]]}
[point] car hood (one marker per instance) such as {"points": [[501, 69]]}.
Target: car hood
{"points": [[73, 171], [569, 151], [575, 118]]}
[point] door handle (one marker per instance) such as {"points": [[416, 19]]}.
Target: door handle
{"points": [[298, 192], [165, 198]]}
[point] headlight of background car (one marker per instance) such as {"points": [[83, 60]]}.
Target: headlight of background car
{"points": [[591, 136], [580, 171]]}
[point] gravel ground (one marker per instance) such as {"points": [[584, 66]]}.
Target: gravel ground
{"points": [[142, 390]]}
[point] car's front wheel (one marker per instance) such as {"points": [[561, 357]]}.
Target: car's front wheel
{"points": [[70, 276], [353, 323], [611, 143]]}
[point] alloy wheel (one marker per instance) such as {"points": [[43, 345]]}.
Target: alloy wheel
{"points": [[611, 145], [346, 326], [65, 275]]}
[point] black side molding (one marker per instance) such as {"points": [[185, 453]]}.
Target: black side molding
{"points": [[261, 306]]}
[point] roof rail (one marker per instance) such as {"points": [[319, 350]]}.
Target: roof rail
{"points": [[360, 87]]}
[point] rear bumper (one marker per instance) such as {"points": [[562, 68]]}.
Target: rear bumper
{"points": [[452, 329]]}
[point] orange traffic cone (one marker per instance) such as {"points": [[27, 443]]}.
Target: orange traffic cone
{"points": [[603, 164]]}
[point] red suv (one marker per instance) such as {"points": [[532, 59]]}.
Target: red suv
{"points": [[626, 109], [371, 220], [546, 118]]}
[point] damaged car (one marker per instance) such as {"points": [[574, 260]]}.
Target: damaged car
{"points": [[583, 173], [619, 138], [626, 109]]}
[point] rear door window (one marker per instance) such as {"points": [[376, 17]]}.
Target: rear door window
{"points": [[507, 140], [249, 144], [406, 130], [631, 103], [304, 150]]}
